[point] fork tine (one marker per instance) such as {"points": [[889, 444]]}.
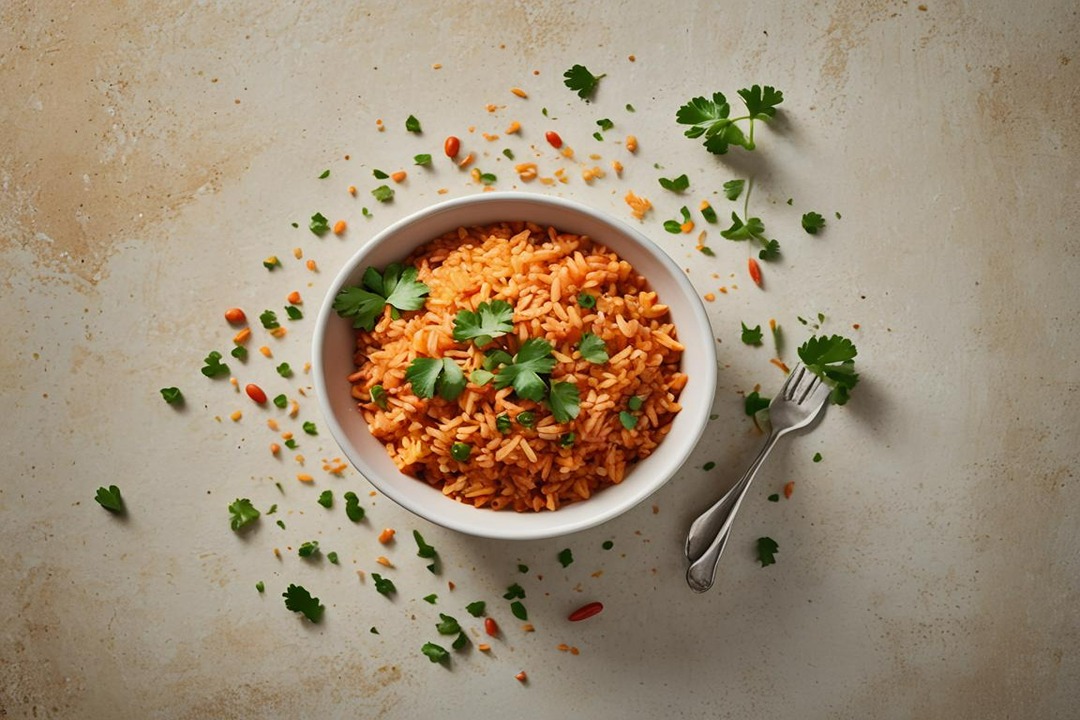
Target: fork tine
{"points": [[791, 382], [805, 389]]}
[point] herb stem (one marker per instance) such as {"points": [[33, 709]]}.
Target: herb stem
{"points": [[746, 199]]}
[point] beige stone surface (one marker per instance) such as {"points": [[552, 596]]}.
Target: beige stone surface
{"points": [[153, 154]]}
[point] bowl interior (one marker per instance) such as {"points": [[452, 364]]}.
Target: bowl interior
{"points": [[334, 345]]}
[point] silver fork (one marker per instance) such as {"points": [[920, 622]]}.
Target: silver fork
{"points": [[800, 400]]}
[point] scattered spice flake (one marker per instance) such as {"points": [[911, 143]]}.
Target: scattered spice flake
{"points": [[339, 227], [304, 478], [513, 128], [638, 205], [590, 174], [526, 171], [242, 337], [789, 488], [384, 561], [521, 677], [399, 176], [528, 627], [436, 66], [483, 647], [491, 107], [489, 137], [466, 161], [386, 535], [631, 144], [709, 297], [780, 364], [275, 449], [236, 415], [567, 152], [655, 509], [312, 266], [519, 92], [617, 167], [352, 190]]}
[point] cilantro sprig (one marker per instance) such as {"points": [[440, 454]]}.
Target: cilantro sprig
{"points": [[833, 360], [436, 376], [298, 599], [766, 551], [242, 514], [580, 80], [109, 498], [523, 372], [491, 320], [751, 228], [396, 286], [712, 119]]}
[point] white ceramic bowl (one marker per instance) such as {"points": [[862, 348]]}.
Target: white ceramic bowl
{"points": [[334, 344]]}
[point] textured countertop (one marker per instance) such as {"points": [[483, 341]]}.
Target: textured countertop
{"points": [[153, 155]]}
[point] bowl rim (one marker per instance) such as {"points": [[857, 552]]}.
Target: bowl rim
{"points": [[556, 525]]}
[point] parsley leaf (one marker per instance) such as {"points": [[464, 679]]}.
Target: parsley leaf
{"points": [[269, 320], [751, 336], [770, 250], [605, 124], [565, 401], [423, 549], [422, 159], [447, 625], [523, 373], [308, 549], [755, 403], [579, 79], [172, 395], [491, 320], [833, 360], [593, 348], [514, 591], [761, 102], [712, 119], [412, 124], [298, 599], [352, 507], [675, 184], [383, 193], [242, 513], [378, 396], [733, 188], [628, 421], [566, 557], [214, 367], [476, 609], [397, 287], [326, 499], [319, 224], [766, 550], [519, 611], [812, 222], [383, 586], [435, 653], [431, 376], [109, 498]]}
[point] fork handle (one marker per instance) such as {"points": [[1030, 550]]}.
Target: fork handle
{"points": [[706, 539]]}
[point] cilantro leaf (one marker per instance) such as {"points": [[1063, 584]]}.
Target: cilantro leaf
{"points": [[242, 513], [352, 507], [593, 348], [523, 373], [422, 159], [766, 550], [319, 224], [383, 193], [109, 498], [435, 653], [514, 591], [460, 641], [675, 184], [213, 366], [423, 549], [739, 230], [579, 79], [761, 102], [751, 336], [397, 287], [491, 320], [383, 586], [701, 114], [770, 250], [173, 396], [298, 599], [378, 396], [628, 420], [326, 499], [833, 360], [447, 625], [812, 222], [733, 188], [519, 611], [566, 556], [476, 609], [413, 125], [431, 376], [308, 549], [755, 403], [565, 401]]}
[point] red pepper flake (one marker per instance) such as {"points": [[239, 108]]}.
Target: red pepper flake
{"points": [[586, 611], [521, 677], [491, 627], [755, 271], [789, 488], [553, 138]]}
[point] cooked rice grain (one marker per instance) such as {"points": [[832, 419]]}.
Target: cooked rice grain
{"points": [[539, 271]]}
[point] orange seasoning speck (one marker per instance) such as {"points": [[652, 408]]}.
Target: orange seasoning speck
{"points": [[304, 478], [242, 337], [467, 161], [483, 647], [311, 265], [789, 488], [386, 535], [399, 176], [384, 561], [521, 676], [780, 364], [631, 143], [298, 252], [352, 190], [339, 227], [519, 92], [709, 297], [513, 127], [275, 448], [266, 351], [294, 298], [236, 415]]}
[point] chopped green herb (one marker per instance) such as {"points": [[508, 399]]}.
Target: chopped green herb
{"points": [[460, 641], [837, 215], [567, 440], [298, 599], [598, 137], [240, 353], [711, 118], [812, 222], [460, 451], [284, 370], [817, 457], [767, 549], [325, 174], [353, 510], [523, 568], [733, 189], [272, 510], [593, 348], [493, 359], [706, 250], [579, 79], [675, 185], [491, 320], [709, 213], [422, 159], [753, 229], [374, 630], [431, 376], [332, 557], [585, 300], [565, 557], [309, 428], [412, 124], [833, 360], [309, 549], [291, 444], [397, 287], [754, 403], [502, 423], [673, 226], [526, 419], [432, 598], [519, 611], [242, 513], [634, 403], [435, 653], [281, 401], [281, 524], [172, 395], [383, 586], [383, 193], [422, 548], [605, 124], [481, 377], [260, 586], [608, 545], [523, 373], [508, 153], [365, 212], [269, 320], [326, 498], [775, 497], [751, 336], [379, 174], [514, 591], [294, 312], [319, 224], [708, 466], [378, 396], [488, 178], [564, 401], [214, 367], [628, 421], [109, 498], [447, 625], [476, 609], [630, 108]]}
